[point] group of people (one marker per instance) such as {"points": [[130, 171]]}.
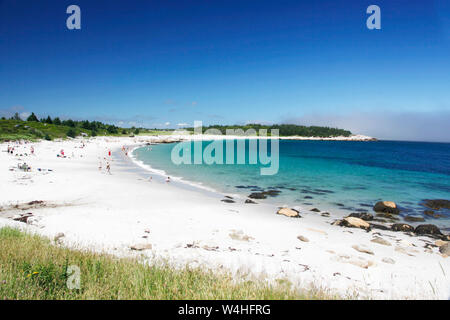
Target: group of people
{"points": [[108, 165], [12, 149]]}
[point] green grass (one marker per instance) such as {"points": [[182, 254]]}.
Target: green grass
{"points": [[32, 267]]}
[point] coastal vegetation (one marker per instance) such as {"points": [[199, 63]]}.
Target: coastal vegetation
{"points": [[33, 267], [47, 128], [285, 130]]}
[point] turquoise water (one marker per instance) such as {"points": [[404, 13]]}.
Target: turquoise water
{"points": [[341, 176]]}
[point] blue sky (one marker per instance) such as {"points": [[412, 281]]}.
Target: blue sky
{"points": [[163, 63]]}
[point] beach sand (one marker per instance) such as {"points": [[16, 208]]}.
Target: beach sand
{"points": [[111, 212]]}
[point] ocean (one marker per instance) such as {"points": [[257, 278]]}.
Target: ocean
{"points": [[337, 176]]}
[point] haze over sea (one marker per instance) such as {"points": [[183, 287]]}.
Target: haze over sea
{"points": [[336, 176]]}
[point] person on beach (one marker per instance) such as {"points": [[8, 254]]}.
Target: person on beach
{"points": [[150, 179], [108, 168], [100, 165], [109, 153], [32, 150], [168, 179]]}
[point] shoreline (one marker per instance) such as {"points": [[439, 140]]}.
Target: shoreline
{"points": [[111, 212]]}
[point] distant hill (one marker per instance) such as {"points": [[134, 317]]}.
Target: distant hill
{"points": [[286, 130]]}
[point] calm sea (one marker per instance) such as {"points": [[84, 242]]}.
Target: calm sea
{"points": [[338, 176]]}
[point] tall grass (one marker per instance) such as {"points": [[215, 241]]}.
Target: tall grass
{"points": [[31, 267]]}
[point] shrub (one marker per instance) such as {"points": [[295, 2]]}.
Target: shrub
{"points": [[71, 133]]}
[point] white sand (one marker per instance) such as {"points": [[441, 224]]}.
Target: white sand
{"points": [[111, 212]]}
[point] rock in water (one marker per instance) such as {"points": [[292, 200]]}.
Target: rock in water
{"points": [[289, 212], [414, 219], [431, 213], [353, 222], [386, 207], [427, 229], [437, 204], [402, 227], [257, 195]]}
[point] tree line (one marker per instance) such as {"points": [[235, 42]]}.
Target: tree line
{"points": [[93, 126], [285, 130]]}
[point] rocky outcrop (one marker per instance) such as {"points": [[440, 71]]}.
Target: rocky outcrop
{"points": [[386, 207], [292, 213]]}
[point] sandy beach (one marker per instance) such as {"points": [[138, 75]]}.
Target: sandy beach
{"points": [[186, 226]]}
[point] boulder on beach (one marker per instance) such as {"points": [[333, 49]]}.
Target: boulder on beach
{"points": [[289, 212], [386, 207], [380, 240], [378, 226], [427, 229], [227, 200], [437, 204], [23, 217], [445, 249], [141, 246], [249, 201], [402, 227], [352, 222], [315, 210]]}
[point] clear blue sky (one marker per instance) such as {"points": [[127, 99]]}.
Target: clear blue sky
{"points": [[155, 62]]}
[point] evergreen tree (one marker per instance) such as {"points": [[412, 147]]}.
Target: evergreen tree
{"points": [[32, 117], [57, 121]]}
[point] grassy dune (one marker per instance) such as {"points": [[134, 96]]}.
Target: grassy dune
{"points": [[32, 267]]}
